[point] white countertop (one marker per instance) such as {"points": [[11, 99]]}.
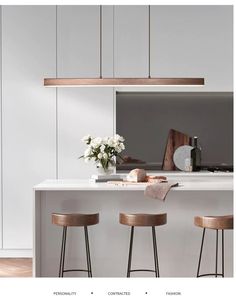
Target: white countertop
{"points": [[199, 182]]}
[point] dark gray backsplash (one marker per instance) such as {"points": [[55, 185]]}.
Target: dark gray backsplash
{"points": [[144, 119]]}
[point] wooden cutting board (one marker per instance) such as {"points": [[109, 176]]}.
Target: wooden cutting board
{"points": [[124, 183], [175, 140]]}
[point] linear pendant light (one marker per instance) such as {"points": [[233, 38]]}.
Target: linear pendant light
{"points": [[114, 82]]}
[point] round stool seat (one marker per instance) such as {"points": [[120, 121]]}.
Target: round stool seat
{"points": [[75, 219], [214, 222], [143, 220]]}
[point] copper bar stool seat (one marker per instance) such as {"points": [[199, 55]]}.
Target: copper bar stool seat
{"points": [[143, 220], [74, 220], [216, 223]]}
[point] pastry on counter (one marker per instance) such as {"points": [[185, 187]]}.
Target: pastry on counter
{"points": [[139, 175]]}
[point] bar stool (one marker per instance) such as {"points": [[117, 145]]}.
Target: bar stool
{"points": [[217, 223], [143, 220], [74, 220]]}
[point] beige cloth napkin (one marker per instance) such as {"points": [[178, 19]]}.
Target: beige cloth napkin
{"points": [[159, 190]]}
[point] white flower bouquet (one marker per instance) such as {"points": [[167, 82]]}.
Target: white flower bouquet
{"points": [[103, 151]]}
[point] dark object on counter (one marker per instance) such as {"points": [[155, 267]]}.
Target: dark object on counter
{"points": [[223, 168], [175, 140], [196, 156], [215, 223], [129, 160]]}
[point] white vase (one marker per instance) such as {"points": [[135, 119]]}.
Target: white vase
{"points": [[110, 170]]}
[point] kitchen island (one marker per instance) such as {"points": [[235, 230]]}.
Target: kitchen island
{"points": [[178, 241]]}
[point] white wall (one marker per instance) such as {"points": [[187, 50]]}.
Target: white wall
{"points": [[28, 115], [41, 130], [81, 112]]}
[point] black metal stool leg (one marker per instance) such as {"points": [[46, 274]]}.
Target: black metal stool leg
{"points": [[130, 251], [223, 258], [216, 252], [200, 257], [157, 273], [87, 252], [62, 248], [63, 251]]}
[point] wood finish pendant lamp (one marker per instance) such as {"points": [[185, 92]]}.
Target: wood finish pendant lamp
{"points": [[114, 82]]}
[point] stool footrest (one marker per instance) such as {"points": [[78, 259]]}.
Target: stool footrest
{"points": [[75, 270], [142, 270], [210, 275]]}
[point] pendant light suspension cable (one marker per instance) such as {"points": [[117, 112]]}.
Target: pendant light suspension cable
{"points": [[100, 66], [149, 41]]}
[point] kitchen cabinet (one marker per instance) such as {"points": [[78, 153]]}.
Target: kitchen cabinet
{"points": [[28, 115], [130, 41], [107, 41], [193, 41], [78, 38]]}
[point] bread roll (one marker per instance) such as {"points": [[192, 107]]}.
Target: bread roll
{"points": [[137, 175]]}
